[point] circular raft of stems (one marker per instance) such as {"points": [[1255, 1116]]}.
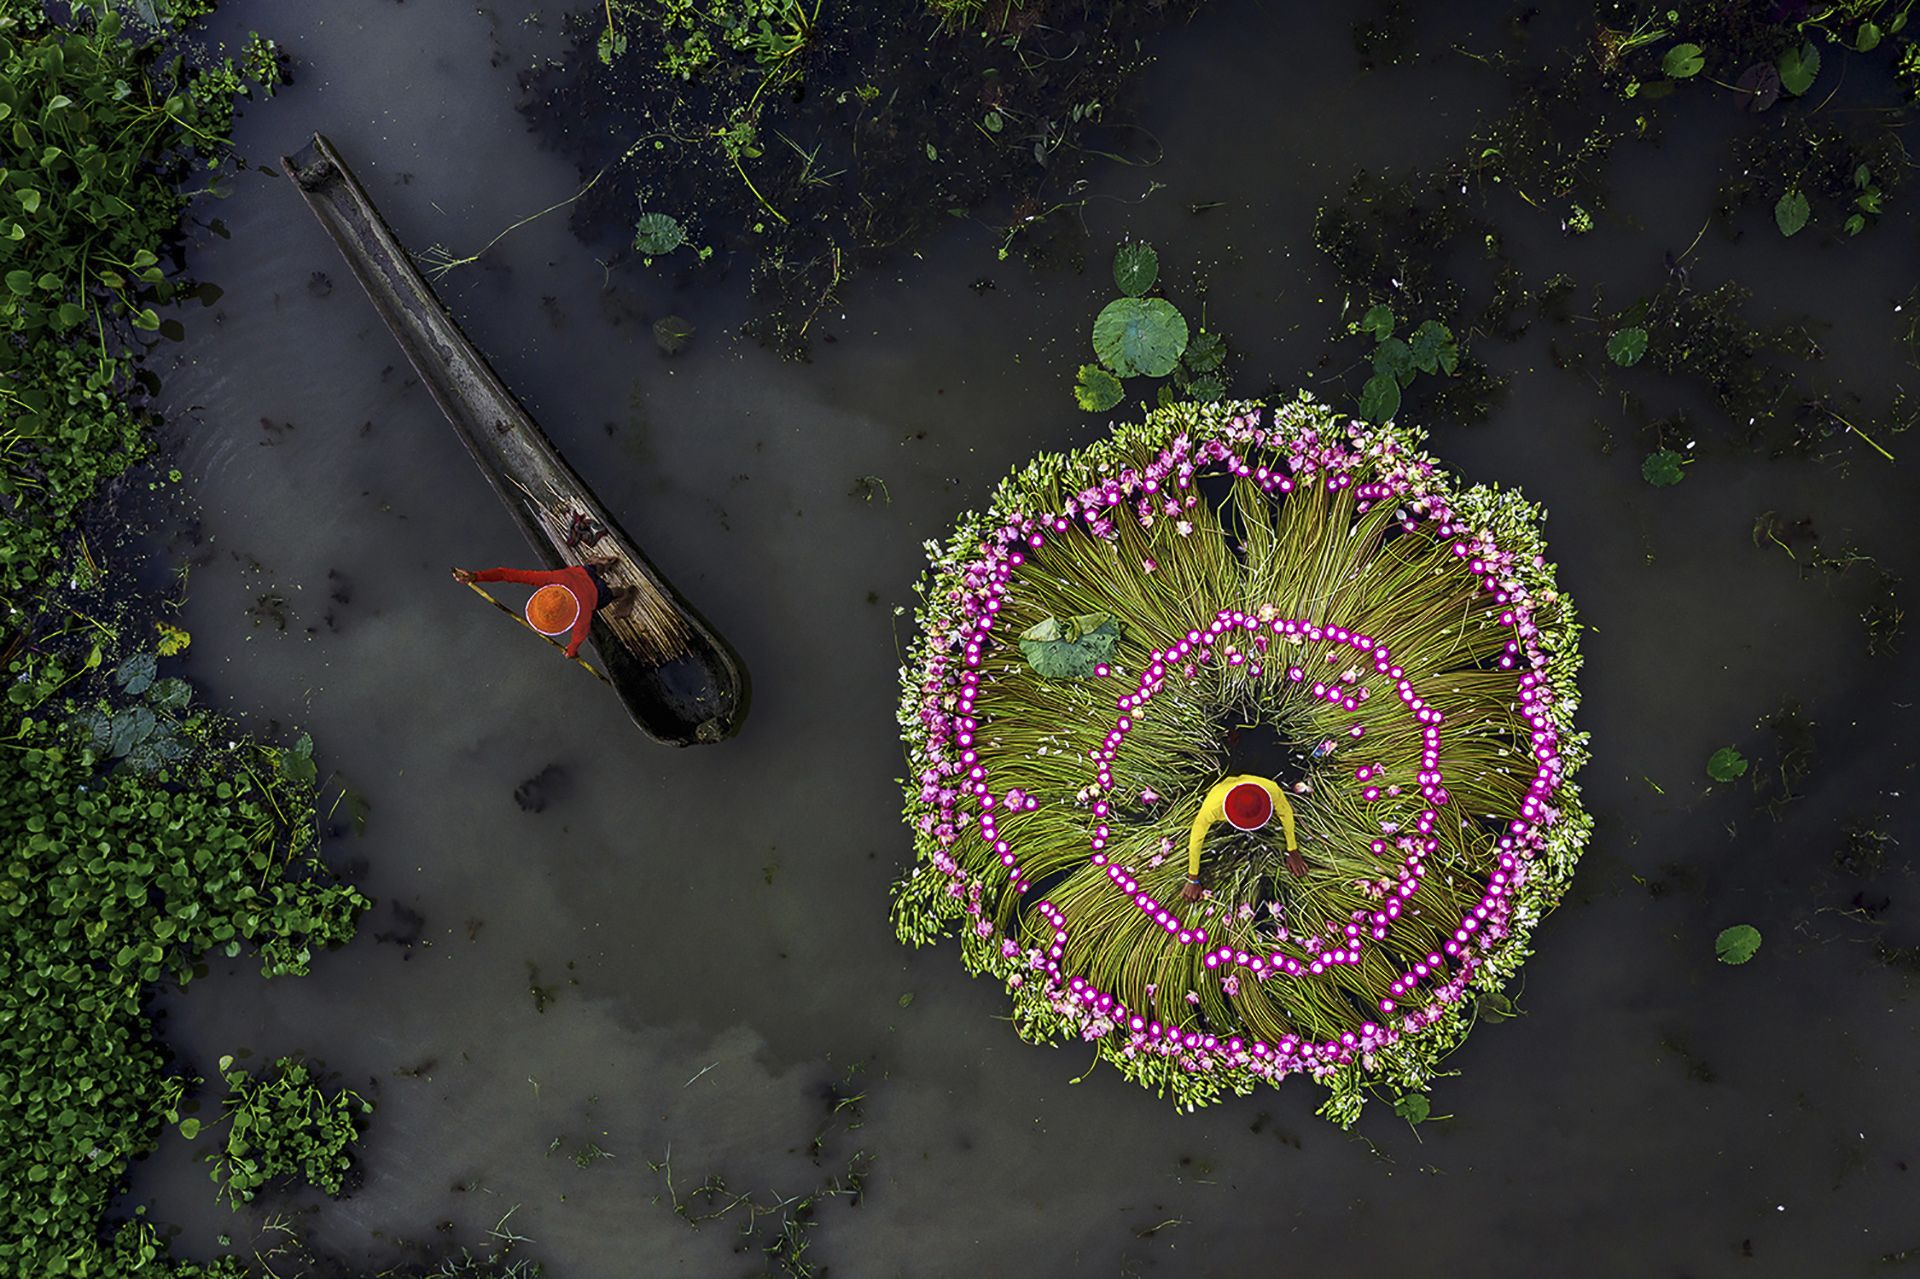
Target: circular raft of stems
{"points": [[1284, 575]]}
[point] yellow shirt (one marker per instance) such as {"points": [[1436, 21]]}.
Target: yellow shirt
{"points": [[1213, 810]]}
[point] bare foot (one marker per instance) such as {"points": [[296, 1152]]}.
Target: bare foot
{"points": [[1191, 891]]}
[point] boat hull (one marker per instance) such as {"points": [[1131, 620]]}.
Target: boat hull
{"points": [[680, 681]]}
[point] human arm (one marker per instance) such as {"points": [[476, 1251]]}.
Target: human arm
{"points": [[525, 576], [576, 580], [582, 625]]}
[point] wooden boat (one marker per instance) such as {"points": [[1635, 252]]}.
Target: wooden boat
{"points": [[678, 679]]}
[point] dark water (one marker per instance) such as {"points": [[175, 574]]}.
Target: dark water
{"points": [[710, 925]]}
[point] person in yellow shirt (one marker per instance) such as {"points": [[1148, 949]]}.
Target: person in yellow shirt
{"points": [[1245, 802]]}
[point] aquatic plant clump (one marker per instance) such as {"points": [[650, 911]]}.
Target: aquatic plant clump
{"points": [[1285, 577]]}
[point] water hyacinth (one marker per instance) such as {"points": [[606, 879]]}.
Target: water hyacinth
{"points": [[1284, 568]]}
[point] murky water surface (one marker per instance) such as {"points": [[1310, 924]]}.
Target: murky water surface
{"points": [[708, 928]]}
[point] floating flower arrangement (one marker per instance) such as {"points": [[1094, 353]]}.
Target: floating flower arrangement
{"points": [[1096, 650]]}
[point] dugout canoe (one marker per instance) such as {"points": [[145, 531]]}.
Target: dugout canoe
{"points": [[679, 680]]}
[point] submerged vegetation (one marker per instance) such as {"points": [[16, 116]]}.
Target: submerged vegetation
{"points": [[802, 141], [782, 1229], [1392, 237]]}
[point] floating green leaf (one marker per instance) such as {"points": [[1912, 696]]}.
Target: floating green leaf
{"points": [[135, 674], [1135, 267], [297, 762], [1205, 352], [1868, 37], [1726, 764], [1738, 944], [1096, 390], [1798, 67], [1664, 468], [1683, 61], [1627, 345], [170, 694], [1791, 213], [1140, 337], [1394, 358], [1378, 321], [1758, 88], [1413, 1107], [1207, 388], [131, 728], [1072, 649], [1380, 398], [155, 751], [655, 234], [189, 1128], [117, 881], [1434, 350]]}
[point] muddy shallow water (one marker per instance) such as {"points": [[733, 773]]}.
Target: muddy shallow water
{"points": [[682, 949]]}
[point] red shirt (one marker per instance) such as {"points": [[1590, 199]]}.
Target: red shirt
{"points": [[573, 577]]}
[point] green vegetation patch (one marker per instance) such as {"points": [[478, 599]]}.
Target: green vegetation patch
{"points": [[1726, 765], [140, 832], [282, 1125], [96, 132], [801, 141], [1139, 336], [115, 879], [1738, 944]]}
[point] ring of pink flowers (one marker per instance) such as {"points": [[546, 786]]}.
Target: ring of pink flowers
{"points": [[1198, 645], [1512, 847]]}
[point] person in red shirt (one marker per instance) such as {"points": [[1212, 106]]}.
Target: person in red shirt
{"points": [[548, 610]]}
